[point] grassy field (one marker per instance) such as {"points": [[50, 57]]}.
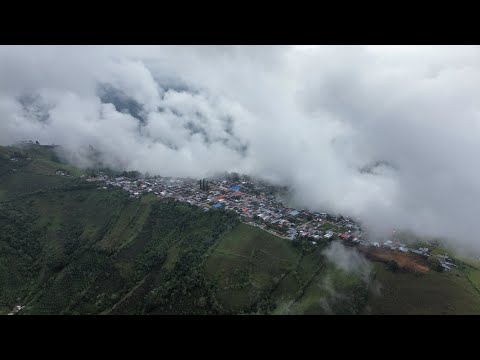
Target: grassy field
{"points": [[22, 182], [473, 275], [4, 310], [247, 263], [329, 226], [430, 293], [129, 224], [474, 263], [172, 257], [50, 167], [291, 288], [318, 286], [30, 176], [246, 238], [332, 291], [250, 266]]}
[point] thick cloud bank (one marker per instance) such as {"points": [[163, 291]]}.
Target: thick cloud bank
{"points": [[387, 134]]}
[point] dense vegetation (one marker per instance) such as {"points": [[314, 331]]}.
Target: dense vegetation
{"points": [[56, 255], [71, 247]]}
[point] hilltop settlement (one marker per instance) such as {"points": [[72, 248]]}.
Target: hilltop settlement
{"points": [[258, 205]]}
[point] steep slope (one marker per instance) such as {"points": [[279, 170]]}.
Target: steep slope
{"points": [[69, 247], [54, 258], [72, 247], [29, 169]]}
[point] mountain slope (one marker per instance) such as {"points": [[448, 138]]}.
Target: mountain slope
{"points": [[72, 247]]}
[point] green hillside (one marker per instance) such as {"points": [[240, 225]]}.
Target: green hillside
{"points": [[256, 272], [29, 169], [417, 294], [70, 247], [68, 252]]}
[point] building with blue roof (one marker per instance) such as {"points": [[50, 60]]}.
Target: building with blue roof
{"points": [[235, 188], [217, 206]]}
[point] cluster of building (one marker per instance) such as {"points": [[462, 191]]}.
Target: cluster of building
{"points": [[397, 245], [251, 200], [14, 159], [446, 262], [257, 206], [62, 173], [16, 309]]}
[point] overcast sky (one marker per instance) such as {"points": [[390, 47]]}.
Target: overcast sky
{"points": [[308, 116]]}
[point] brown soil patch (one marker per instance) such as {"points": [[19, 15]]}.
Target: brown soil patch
{"points": [[407, 261]]}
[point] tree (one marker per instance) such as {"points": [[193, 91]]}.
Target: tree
{"points": [[131, 174], [392, 266], [434, 263]]}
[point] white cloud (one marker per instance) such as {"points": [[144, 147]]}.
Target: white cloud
{"points": [[308, 116]]}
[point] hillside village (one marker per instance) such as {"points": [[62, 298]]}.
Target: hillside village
{"points": [[257, 205]]}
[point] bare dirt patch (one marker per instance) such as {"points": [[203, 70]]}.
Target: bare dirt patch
{"points": [[406, 261]]}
